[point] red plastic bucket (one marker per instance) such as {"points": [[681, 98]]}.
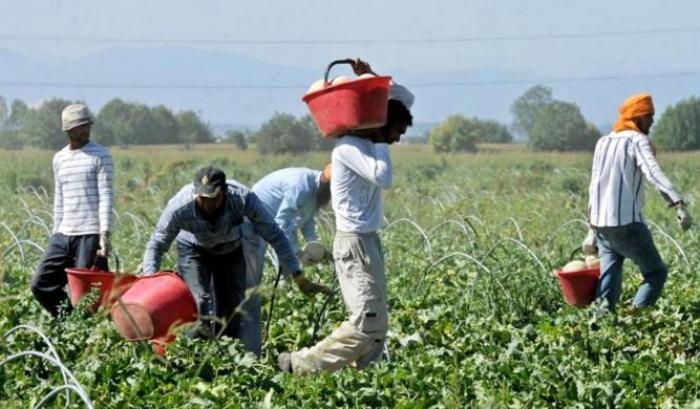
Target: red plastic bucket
{"points": [[109, 285], [579, 286], [358, 104], [153, 307]]}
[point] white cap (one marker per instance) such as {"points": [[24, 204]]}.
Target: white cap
{"points": [[75, 115], [402, 94]]}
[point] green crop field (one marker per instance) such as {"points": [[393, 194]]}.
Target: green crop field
{"points": [[477, 318]]}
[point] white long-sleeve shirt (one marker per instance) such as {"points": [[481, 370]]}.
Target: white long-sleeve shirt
{"points": [[83, 190], [616, 193], [361, 169]]}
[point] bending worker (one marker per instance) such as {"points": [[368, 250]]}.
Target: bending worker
{"points": [[616, 201], [293, 196], [361, 169], [207, 219], [82, 210]]}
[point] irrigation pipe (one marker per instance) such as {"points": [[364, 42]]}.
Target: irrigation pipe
{"points": [[79, 389], [416, 226]]}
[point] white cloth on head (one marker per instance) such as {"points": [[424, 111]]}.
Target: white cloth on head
{"points": [[400, 93]]}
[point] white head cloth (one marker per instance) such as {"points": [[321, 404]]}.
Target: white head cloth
{"points": [[400, 93]]}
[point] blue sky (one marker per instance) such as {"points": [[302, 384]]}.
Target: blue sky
{"points": [[574, 40], [378, 21]]}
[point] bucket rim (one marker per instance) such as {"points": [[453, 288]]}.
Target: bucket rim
{"points": [[350, 84], [588, 272]]}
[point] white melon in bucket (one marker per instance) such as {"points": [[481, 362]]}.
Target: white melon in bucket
{"points": [[341, 79], [592, 261], [574, 265], [317, 86]]}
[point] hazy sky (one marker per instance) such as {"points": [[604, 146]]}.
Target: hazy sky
{"points": [[28, 26]]}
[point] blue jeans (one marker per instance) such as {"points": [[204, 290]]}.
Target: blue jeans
{"points": [[632, 241], [217, 282], [251, 327], [50, 277]]}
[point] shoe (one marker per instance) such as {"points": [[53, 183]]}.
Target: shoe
{"points": [[284, 362]]}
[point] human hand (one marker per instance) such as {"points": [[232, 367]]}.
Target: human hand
{"points": [[309, 288], [105, 245], [685, 220], [589, 246]]}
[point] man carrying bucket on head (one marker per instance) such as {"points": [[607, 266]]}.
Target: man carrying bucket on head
{"points": [[616, 199], [293, 196], [207, 219], [82, 210], [361, 169]]}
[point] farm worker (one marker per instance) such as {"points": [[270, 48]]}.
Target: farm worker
{"points": [[211, 220], [293, 196], [361, 169], [82, 210], [616, 200]]}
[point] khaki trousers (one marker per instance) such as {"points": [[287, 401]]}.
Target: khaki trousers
{"points": [[359, 341]]}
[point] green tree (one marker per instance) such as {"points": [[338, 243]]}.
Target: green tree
{"points": [[560, 126], [237, 138], [19, 112], [456, 133], [489, 131], [12, 132], [526, 107], [43, 125], [4, 111], [678, 128], [283, 133], [319, 142], [163, 127], [193, 129]]}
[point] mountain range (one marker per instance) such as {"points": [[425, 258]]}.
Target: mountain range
{"points": [[233, 90]]}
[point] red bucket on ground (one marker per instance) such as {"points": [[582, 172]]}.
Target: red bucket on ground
{"points": [[358, 104], [109, 285], [579, 286], [153, 307]]}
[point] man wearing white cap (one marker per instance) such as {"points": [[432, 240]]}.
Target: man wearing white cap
{"points": [[82, 210], [361, 169]]}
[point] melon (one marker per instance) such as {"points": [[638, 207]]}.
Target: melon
{"points": [[592, 261], [574, 265], [341, 79], [317, 86]]}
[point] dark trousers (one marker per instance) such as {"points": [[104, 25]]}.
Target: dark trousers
{"points": [[61, 253], [217, 282]]}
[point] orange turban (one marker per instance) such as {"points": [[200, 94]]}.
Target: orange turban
{"points": [[327, 171], [634, 106]]}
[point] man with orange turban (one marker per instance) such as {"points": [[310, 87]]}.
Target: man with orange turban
{"points": [[616, 199]]}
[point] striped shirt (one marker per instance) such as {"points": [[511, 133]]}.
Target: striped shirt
{"points": [[290, 196], [361, 169], [183, 221], [616, 193], [83, 190]]}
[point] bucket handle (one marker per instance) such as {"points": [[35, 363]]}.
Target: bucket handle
{"points": [[349, 61]]}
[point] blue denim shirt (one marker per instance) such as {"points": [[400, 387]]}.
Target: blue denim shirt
{"points": [[290, 196], [182, 220]]}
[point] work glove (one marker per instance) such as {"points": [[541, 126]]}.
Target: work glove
{"points": [[309, 288], [314, 253], [590, 245], [685, 220], [105, 245]]}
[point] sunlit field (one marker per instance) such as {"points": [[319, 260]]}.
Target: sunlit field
{"points": [[477, 318]]}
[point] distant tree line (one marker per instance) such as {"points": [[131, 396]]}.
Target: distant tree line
{"points": [[117, 123], [546, 123]]}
